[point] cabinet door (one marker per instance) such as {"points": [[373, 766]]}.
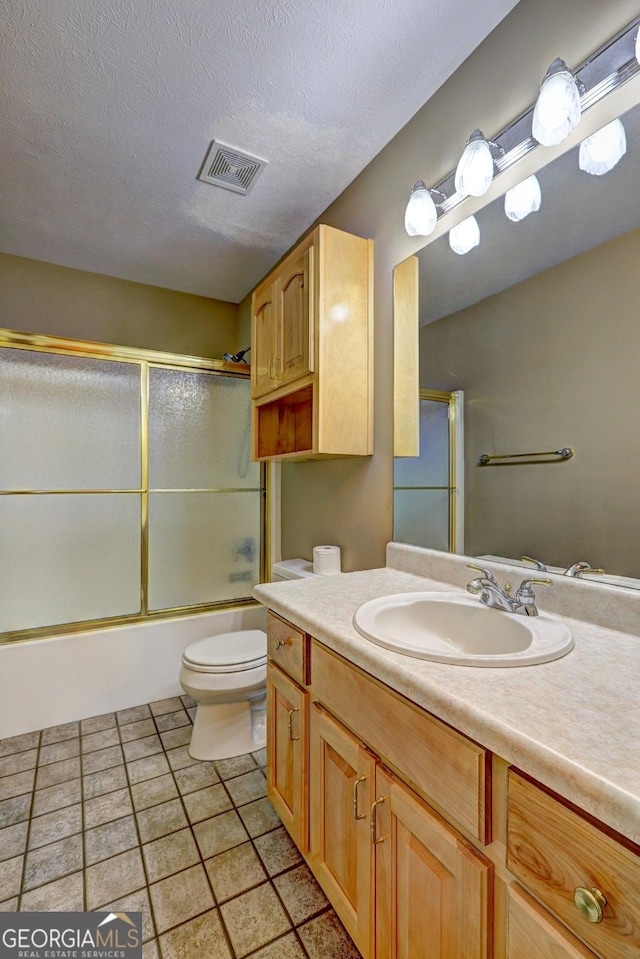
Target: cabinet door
{"points": [[287, 750], [263, 342], [534, 934], [341, 790], [433, 888], [295, 312]]}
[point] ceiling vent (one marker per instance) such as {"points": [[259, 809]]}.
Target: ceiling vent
{"points": [[230, 168]]}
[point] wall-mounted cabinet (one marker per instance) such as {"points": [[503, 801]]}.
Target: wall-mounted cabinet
{"points": [[312, 351]]}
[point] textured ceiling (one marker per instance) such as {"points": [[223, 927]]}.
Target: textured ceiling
{"points": [[108, 108]]}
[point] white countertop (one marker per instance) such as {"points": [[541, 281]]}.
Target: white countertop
{"points": [[573, 724]]}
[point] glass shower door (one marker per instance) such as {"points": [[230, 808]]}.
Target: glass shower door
{"points": [[427, 497]]}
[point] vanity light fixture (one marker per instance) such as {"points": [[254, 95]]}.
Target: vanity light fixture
{"points": [[421, 216], [464, 236], [558, 109], [474, 172], [523, 199], [600, 152]]}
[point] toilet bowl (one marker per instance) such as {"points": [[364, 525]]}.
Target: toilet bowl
{"points": [[226, 676]]}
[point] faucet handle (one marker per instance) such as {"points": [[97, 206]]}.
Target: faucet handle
{"points": [[485, 572], [528, 583], [536, 562]]}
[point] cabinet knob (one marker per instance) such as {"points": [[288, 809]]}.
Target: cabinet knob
{"points": [[590, 903], [277, 643]]}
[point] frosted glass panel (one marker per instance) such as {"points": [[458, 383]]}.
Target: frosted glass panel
{"points": [[431, 468], [199, 431], [68, 422], [203, 547], [421, 518], [68, 558]]}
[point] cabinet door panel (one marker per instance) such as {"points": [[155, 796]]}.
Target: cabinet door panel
{"points": [[341, 788], [434, 889], [535, 934], [287, 740], [295, 315], [263, 343]]}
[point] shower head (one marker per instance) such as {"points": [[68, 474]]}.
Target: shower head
{"points": [[236, 357]]}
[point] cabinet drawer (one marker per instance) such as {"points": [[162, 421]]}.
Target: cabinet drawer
{"points": [[446, 767], [553, 850], [288, 647], [535, 934]]}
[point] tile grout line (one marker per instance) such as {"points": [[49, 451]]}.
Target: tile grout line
{"points": [[23, 874]]}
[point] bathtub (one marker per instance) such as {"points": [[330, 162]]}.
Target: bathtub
{"points": [[45, 682]]}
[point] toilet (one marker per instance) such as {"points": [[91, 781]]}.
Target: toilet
{"points": [[226, 676]]}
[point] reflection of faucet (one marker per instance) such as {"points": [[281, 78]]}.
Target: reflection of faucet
{"points": [[491, 595], [536, 563], [578, 570]]}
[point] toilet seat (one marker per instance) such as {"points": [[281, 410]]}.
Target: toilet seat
{"points": [[227, 652]]}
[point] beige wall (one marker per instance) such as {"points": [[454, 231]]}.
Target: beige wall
{"points": [[548, 363], [38, 297], [350, 502]]}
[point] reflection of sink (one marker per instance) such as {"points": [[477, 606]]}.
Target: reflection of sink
{"points": [[451, 628]]}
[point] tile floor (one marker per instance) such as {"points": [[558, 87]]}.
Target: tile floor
{"points": [[111, 813]]}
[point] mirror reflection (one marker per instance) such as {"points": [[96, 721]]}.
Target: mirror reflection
{"points": [[538, 327]]}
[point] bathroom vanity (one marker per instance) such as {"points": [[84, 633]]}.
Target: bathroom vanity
{"points": [[458, 812]]}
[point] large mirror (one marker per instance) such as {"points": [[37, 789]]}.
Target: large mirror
{"points": [[539, 326]]}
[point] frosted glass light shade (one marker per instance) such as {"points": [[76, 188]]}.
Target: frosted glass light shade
{"points": [[523, 199], [638, 46], [474, 172], [600, 152], [421, 216], [557, 111], [464, 236]]}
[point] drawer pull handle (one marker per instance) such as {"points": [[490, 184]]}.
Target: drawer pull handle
{"points": [[359, 780], [277, 643], [590, 903], [293, 739], [372, 823]]}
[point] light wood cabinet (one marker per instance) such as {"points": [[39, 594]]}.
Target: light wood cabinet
{"points": [[287, 752], [263, 340], [434, 889], [312, 351], [341, 785], [534, 934], [555, 850], [427, 846]]}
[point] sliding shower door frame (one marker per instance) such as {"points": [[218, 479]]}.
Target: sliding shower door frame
{"points": [[145, 360]]}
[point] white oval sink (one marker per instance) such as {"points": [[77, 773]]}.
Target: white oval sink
{"points": [[449, 628]]}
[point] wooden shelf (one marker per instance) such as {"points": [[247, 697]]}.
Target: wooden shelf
{"points": [[285, 425]]}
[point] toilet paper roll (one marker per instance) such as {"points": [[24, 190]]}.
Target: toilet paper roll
{"points": [[326, 560]]}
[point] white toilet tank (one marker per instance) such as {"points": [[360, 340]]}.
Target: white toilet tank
{"points": [[291, 569]]}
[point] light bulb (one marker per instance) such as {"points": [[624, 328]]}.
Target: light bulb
{"points": [[557, 110], [523, 199], [464, 236], [600, 152], [421, 216], [474, 172]]}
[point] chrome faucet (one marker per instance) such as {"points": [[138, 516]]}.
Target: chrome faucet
{"points": [[492, 595], [578, 570], [536, 562]]}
